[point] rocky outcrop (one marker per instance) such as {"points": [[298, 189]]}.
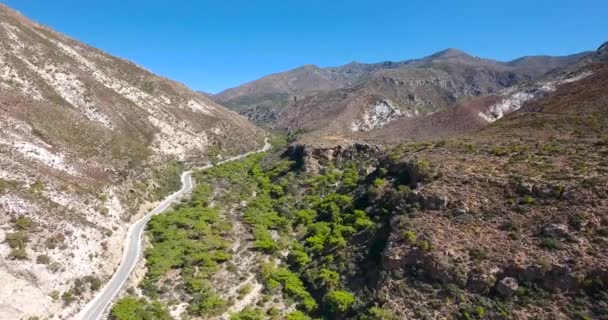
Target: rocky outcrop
{"points": [[311, 158], [507, 287]]}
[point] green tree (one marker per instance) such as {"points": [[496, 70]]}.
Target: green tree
{"points": [[340, 301], [131, 308], [249, 314], [298, 315]]}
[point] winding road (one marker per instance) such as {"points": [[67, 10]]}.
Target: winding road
{"points": [[133, 247]]}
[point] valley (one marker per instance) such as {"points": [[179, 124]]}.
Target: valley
{"points": [[444, 187]]}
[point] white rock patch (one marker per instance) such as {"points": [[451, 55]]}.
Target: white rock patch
{"points": [[377, 116], [47, 157], [199, 107], [514, 98], [10, 78], [177, 142]]}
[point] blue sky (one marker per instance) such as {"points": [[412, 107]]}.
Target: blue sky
{"points": [[214, 45]]}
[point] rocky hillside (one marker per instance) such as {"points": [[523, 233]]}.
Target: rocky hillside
{"points": [[506, 222], [509, 222], [86, 140], [362, 97]]}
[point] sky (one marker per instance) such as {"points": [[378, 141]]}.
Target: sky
{"points": [[214, 45]]}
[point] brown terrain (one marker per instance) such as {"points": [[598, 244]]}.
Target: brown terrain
{"points": [[344, 101], [507, 222]]}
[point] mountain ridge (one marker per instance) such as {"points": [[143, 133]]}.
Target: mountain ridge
{"points": [[336, 101], [88, 142]]}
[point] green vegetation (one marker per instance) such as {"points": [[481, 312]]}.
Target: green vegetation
{"points": [[131, 308], [189, 239], [43, 259], [249, 314], [340, 301], [6, 185], [68, 297], [275, 278], [321, 221], [17, 241]]}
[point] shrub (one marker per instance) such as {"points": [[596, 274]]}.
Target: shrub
{"points": [[131, 308], [340, 301], [207, 303], [16, 240], [43, 259], [263, 240], [299, 258], [329, 278], [249, 314], [68, 297], [551, 244], [55, 241], [376, 313], [23, 223], [246, 289], [297, 315], [291, 283], [18, 254], [55, 295], [379, 182], [410, 237]]}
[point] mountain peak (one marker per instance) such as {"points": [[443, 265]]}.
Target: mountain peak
{"points": [[449, 53], [307, 67]]}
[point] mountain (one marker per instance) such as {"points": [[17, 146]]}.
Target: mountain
{"points": [[361, 97], [87, 142], [499, 212]]}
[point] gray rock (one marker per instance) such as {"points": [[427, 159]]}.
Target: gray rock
{"points": [[434, 202], [545, 191], [480, 282], [461, 211], [524, 188], [507, 287], [555, 230]]}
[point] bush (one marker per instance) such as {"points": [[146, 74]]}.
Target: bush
{"points": [[55, 295], [410, 237], [43, 259], [207, 303], [551, 244], [68, 297], [55, 241], [17, 240], [23, 223], [131, 308], [18, 254], [249, 314], [263, 240], [291, 283], [297, 315], [376, 313], [340, 301]]}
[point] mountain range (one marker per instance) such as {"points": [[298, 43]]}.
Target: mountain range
{"points": [[338, 102]]}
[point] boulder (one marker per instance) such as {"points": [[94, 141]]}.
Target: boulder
{"points": [[507, 287], [433, 202], [480, 282], [555, 230], [524, 189]]}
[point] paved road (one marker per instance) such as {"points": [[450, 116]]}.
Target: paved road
{"points": [[133, 248]]}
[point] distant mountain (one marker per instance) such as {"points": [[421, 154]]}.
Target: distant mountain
{"points": [[86, 139], [360, 97]]}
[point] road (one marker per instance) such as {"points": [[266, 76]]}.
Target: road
{"points": [[133, 248]]}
